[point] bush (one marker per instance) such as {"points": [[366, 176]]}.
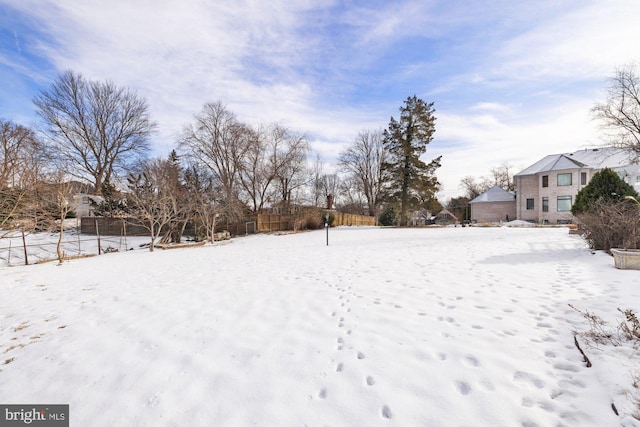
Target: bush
{"points": [[609, 219], [610, 224], [307, 220]]}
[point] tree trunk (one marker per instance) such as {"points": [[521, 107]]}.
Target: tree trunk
{"points": [[60, 236]]}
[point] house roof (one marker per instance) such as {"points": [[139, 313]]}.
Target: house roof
{"points": [[594, 158], [495, 194], [445, 213]]}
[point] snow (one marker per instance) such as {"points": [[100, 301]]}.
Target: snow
{"points": [[466, 326]]}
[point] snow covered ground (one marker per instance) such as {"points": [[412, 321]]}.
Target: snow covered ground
{"points": [[384, 327]]}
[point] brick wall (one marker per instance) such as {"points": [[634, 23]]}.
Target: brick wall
{"points": [[493, 211]]}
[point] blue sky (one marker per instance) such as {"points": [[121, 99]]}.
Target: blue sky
{"points": [[511, 81]]}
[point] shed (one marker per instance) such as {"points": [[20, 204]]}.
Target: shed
{"points": [[494, 205]]}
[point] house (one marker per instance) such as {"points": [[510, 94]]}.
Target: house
{"points": [[445, 217], [547, 189], [421, 218], [494, 205], [82, 206]]}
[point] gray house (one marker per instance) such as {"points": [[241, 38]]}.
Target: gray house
{"points": [[494, 205], [547, 189]]}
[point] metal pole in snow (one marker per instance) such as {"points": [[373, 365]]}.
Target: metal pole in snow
{"points": [[326, 224]]}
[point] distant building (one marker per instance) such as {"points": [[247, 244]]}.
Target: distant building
{"points": [[82, 206], [547, 189], [445, 217], [421, 218], [494, 205]]}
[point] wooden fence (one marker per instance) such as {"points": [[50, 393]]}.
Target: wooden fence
{"points": [[352, 219], [259, 223], [112, 226], [266, 222]]}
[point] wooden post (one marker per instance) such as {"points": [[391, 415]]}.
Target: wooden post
{"points": [[24, 245], [98, 235], [124, 229]]}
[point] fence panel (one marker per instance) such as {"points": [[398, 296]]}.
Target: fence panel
{"points": [[41, 247], [353, 219], [264, 223], [112, 226]]}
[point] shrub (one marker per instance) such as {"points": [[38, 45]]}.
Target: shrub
{"points": [[307, 220], [611, 224], [606, 214]]}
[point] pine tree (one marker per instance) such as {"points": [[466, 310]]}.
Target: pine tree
{"points": [[410, 181], [605, 185]]}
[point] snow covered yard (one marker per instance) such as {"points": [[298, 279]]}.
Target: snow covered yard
{"points": [[384, 327]]}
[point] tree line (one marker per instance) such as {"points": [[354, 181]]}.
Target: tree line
{"points": [[95, 137]]}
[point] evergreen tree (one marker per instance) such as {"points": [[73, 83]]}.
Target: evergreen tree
{"points": [[410, 181], [389, 216], [606, 186], [113, 203]]}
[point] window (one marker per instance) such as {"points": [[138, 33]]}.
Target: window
{"points": [[564, 179], [583, 178], [545, 180], [529, 204], [638, 178], [564, 203], [545, 204]]}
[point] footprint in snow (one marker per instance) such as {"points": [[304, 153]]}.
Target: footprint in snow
{"points": [[386, 412], [471, 360], [463, 388]]}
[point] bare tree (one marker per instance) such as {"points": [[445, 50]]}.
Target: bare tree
{"points": [[317, 176], [502, 176], [289, 163], [352, 196], [96, 127], [330, 185], [620, 113], [363, 160], [219, 141], [55, 200], [154, 199], [257, 173], [203, 199], [22, 159], [474, 187]]}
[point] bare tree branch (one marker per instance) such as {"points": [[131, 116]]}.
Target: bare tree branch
{"points": [[620, 113], [96, 127], [363, 161]]}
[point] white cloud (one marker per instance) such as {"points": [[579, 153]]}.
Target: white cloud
{"points": [[473, 142], [512, 81], [583, 42]]}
